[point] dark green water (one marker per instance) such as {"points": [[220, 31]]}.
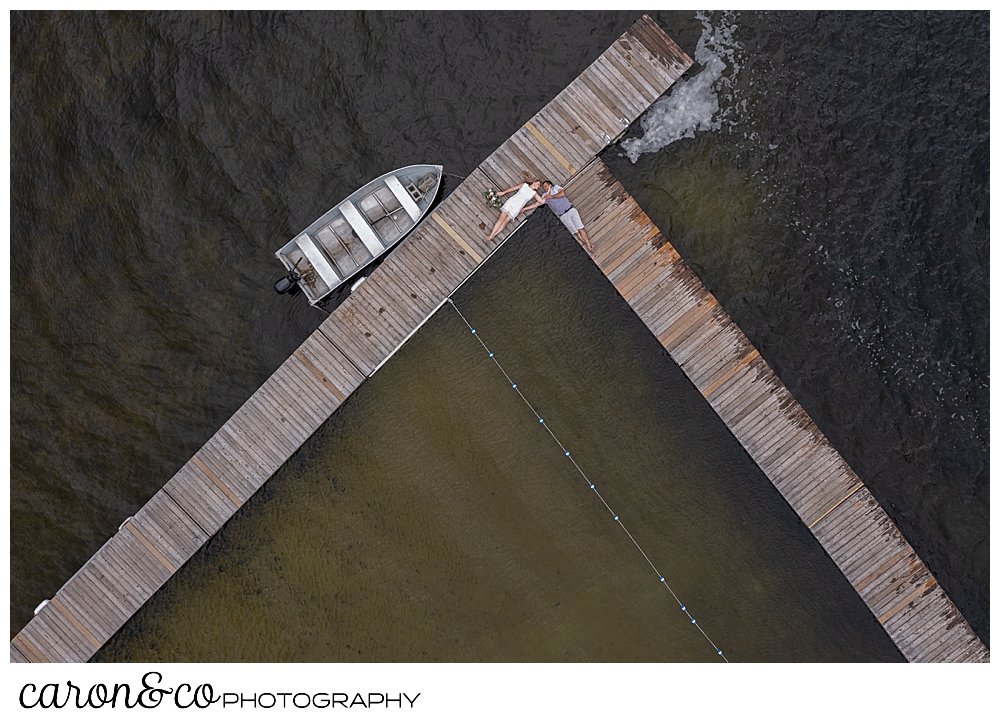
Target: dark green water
{"points": [[158, 161]]}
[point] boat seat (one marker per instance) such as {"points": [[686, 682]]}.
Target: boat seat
{"points": [[350, 239], [403, 197], [318, 259], [337, 251], [351, 214]]}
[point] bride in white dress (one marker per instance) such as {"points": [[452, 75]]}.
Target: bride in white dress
{"points": [[514, 204]]}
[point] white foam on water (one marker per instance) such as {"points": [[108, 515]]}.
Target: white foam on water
{"points": [[694, 104]]}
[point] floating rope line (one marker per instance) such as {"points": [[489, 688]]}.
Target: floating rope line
{"points": [[586, 479]]}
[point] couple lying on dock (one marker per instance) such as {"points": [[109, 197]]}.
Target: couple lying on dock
{"points": [[553, 196]]}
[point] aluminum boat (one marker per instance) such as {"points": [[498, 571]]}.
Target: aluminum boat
{"points": [[355, 233]]}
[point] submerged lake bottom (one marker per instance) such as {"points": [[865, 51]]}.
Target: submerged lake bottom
{"points": [[432, 518]]}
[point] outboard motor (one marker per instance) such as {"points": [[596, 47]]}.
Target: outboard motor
{"points": [[284, 285], [287, 283]]}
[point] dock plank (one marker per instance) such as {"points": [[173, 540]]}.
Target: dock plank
{"points": [[200, 498], [89, 610], [576, 148], [55, 632], [16, 656], [271, 420], [164, 522], [101, 600]]}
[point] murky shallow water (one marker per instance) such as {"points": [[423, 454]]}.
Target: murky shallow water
{"points": [[434, 519], [158, 160]]}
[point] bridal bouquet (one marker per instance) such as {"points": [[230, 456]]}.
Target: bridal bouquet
{"points": [[492, 199]]}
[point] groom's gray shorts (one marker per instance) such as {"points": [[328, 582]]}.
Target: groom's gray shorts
{"points": [[571, 220]]}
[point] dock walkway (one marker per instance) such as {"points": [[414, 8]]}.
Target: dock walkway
{"points": [[561, 143], [348, 347], [774, 429]]}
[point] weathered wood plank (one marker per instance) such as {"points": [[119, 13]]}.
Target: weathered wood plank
{"points": [[50, 633], [261, 452], [164, 522], [583, 99], [444, 252], [72, 628], [27, 647], [587, 127], [87, 597], [238, 462], [336, 331], [90, 610], [87, 642], [36, 647], [16, 656], [569, 137], [341, 330], [201, 500]]}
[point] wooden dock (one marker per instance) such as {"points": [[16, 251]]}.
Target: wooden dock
{"points": [[761, 413], [561, 143], [349, 346]]}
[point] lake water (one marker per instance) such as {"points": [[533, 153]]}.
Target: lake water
{"points": [[836, 202]]}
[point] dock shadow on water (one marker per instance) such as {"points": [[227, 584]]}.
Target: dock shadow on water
{"points": [[433, 519]]}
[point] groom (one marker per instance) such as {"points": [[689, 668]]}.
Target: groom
{"points": [[555, 198]]}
